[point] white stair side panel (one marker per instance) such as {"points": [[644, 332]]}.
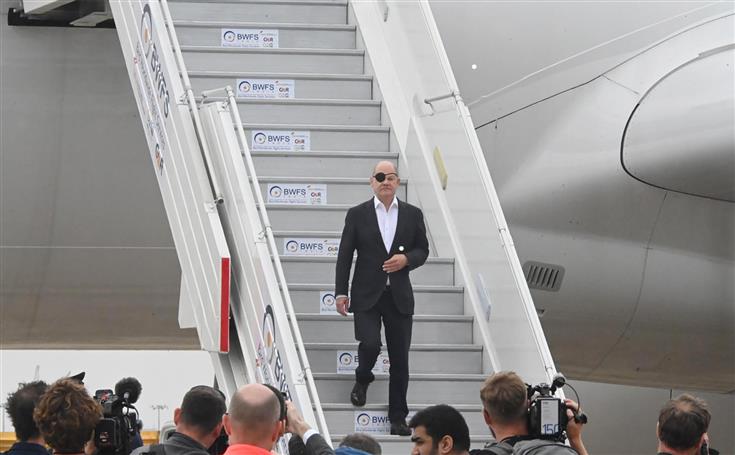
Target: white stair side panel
{"points": [[179, 167], [186, 307]]}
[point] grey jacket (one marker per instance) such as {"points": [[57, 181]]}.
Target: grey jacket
{"points": [[176, 444]]}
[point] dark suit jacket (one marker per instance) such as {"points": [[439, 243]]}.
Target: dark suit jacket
{"points": [[316, 445], [362, 234]]}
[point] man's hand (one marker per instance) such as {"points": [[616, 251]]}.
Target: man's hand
{"points": [[295, 422], [395, 263], [343, 303], [574, 428]]}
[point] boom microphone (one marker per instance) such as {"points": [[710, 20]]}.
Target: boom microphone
{"points": [[128, 388]]}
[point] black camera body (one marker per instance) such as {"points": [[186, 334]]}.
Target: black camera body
{"points": [[547, 414], [547, 418], [118, 425]]}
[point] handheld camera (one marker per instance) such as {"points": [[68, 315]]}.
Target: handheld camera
{"points": [[119, 423], [547, 414]]}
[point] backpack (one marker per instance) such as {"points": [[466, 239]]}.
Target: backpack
{"points": [[526, 447]]}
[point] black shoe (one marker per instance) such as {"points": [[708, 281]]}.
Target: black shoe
{"points": [[359, 394], [400, 428]]}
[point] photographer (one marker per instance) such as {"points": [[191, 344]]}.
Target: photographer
{"points": [[505, 400], [66, 417], [682, 426], [20, 407], [198, 424]]}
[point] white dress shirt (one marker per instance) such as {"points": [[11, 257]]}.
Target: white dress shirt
{"points": [[387, 220]]}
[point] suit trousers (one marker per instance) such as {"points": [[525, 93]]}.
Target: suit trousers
{"points": [[398, 328]]}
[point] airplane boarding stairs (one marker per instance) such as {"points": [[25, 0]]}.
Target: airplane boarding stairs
{"points": [[338, 104], [335, 103]]}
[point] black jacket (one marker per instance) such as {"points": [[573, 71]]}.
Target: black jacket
{"points": [[26, 448], [362, 234], [316, 445]]}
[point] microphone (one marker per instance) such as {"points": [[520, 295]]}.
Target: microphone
{"points": [[129, 389]]}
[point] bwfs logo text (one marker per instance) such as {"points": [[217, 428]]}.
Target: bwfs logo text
{"points": [[152, 55]]}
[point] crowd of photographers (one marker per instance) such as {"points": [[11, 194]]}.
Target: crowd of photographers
{"points": [[65, 418]]}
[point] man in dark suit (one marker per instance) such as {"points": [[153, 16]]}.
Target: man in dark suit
{"points": [[390, 239]]}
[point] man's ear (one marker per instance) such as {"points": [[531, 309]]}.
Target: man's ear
{"points": [[486, 417], [227, 424], [216, 431], [177, 415], [446, 444], [277, 431], [702, 440]]}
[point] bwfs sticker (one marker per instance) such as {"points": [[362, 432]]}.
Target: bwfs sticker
{"points": [[249, 38], [280, 141], [310, 247], [347, 362], [266, 88], [297, 194]]}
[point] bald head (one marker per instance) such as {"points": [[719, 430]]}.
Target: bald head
{"points": [[385, 167], [253, 416]]}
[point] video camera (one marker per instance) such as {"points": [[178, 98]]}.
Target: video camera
{"points": [[119, 423], [547, 414]]}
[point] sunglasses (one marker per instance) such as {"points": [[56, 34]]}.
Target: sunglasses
{"points": [[381, 176]]}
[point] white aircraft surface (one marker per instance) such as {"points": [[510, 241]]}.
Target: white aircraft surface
{"points": [[609, 131], [607, 128]]}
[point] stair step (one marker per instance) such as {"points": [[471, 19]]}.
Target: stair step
{"points": [[297, 112], [334, 138], [317, 218], [215, 58], [300, 269], [395, 445], [341, 417], [303, 164], [264, 11], [428, 329], [306, 86], [338, 190], [434, 300], [293, 36], [442, 388], [424, 358]]}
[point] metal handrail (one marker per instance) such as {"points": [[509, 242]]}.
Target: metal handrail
{"points": [[276, 260], [190, 100], [481, 164]]}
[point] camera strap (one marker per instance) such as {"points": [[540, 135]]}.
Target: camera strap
{"points": [[512, 440]]}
